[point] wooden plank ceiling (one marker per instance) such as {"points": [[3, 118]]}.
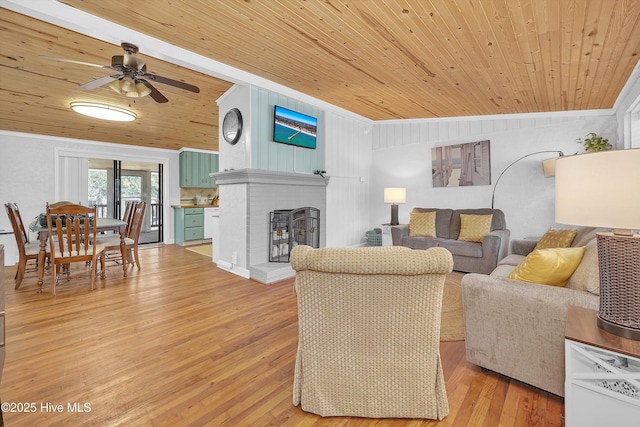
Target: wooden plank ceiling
{"points": [[382, 60]]}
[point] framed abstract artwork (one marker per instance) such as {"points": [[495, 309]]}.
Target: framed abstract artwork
{"points": [[461, 164]]}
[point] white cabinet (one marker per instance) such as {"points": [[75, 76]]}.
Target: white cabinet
{"points": [[602, 378], [211, 226], [209, 215]]}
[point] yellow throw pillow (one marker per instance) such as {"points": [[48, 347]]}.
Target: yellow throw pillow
{"points": [[557, 238], [474, 227], [551, 266], [422, 224]]}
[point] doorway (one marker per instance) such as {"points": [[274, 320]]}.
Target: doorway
{"points": [[112, 183]]}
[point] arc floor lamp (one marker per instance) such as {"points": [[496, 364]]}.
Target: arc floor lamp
{"points": [[548, 168]]}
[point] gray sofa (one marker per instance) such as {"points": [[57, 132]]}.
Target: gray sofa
{"points": [[467, 256], [516, 328]]}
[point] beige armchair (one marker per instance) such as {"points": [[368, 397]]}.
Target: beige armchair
{"points": [[369, 331]]}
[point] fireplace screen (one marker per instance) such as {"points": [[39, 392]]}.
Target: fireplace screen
{"points": [[290, 228]]}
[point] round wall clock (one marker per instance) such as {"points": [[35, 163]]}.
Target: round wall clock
{"points": [[232, 126]]}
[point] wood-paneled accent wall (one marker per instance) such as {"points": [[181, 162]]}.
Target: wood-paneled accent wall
{"points": [[270, 155]]}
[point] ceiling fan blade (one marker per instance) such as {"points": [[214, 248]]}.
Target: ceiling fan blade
{"points": [[155, 94], [171, 82], [99, 82], [72, 61]]}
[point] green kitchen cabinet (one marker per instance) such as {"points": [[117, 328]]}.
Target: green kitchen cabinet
{"points": [[189, 225], [195, 168]]}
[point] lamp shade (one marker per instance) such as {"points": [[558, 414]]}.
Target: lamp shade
{"points": [[128, 87], [395, 195], [599, 189], [549, 167]]}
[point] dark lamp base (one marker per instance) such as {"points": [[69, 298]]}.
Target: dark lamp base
{"points": [[619, 330], [394, 214]]}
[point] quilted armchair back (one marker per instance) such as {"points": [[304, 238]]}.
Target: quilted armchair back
{"points": [[369, 331]]}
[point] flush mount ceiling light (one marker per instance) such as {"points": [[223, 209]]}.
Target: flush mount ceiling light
{"points": [[102, 111]]}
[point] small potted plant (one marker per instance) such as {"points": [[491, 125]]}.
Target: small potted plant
{"points": [[594, 142]]}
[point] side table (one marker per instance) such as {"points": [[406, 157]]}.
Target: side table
{"points": [[602, 374], [386, 235]]}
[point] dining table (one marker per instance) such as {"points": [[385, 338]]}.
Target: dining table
{"points": [[102, 224]]}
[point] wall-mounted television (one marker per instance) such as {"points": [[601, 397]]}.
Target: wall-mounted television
{"points": [[293, 128]]}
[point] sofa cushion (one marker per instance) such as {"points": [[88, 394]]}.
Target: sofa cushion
{"points": [[443, 220], [422, 224], [502, 270], [421, 242], [587, 275], [551, 266], [458, 247], [557, 238], [474, 227], [512, 260]]}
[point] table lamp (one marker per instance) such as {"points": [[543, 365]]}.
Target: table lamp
{"points": [[603, 190], [394, 196]]}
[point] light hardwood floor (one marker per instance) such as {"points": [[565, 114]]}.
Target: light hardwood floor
{"points": [[183, 343]]}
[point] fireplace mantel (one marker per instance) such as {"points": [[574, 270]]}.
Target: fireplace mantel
{"points": [[260, 176]]}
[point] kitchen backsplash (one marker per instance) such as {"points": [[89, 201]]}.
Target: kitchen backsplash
{"points": [[187, 195]]}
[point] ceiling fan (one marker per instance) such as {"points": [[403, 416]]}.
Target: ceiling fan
{"points": [[131, 79]]}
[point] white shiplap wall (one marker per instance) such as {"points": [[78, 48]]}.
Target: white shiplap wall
{"points": [[348, 159], [402, 158], [627, 108], [34, 170]]}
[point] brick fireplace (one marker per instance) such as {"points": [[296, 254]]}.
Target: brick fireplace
{"points": [[247, 197]]}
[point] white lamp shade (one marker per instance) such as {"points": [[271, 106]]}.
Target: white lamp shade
{"points": [[549, 167], [599, 189], [395, 195]]}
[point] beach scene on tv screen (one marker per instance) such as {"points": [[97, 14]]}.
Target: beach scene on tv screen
{"points": [[294, 128]]}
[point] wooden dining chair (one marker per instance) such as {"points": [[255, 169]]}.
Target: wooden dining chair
{"points": [[72, 239], [112, 251], [134, 233], [27, 251], [60, 203], [128, 215]]}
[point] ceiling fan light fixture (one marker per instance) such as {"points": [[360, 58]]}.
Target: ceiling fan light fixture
{"points": [[139, 91], [116, 85], [103, 111], [130, 77], [127, 85]]}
